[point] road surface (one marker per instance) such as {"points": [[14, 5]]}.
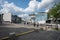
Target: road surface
{"points": [[18, 28]]}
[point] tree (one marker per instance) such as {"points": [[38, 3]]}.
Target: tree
{"points": [[16, 19], [54, 11]]}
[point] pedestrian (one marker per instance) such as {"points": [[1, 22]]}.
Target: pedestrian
{"points": [[37, 24], [34, 24]]}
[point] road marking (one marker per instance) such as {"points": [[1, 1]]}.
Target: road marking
{"points": [[4, 38], [24, 33], [19, 34]]}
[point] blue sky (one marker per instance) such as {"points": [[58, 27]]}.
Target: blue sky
{"points": [[20, 7], [21, 3]]}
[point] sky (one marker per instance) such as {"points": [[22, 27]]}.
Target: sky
{"points": [[25, 7]]}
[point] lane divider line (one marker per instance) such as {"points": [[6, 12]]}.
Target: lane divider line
{"points": [[4, 38], [19, 34], [24, 33]]}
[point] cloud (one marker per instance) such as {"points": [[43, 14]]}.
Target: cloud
{"points": [[35, 5], [23, 15], [10, 7], [45, 3], [33, 0], [47, 10], [4, 10], [31, 6], [57, 0]]}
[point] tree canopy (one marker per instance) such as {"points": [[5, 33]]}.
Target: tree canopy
{"points": [[55, 11]]}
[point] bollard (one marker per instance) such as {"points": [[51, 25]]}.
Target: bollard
{"points": [[12, 36]]}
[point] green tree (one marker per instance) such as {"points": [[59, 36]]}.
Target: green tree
{"points": [[54, 11], [16, 19]]}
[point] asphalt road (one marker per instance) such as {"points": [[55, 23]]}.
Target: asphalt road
{"points": [[41, 35], [4, 31]]}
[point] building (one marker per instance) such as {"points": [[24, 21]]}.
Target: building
{"points": [[40, 17], [7, 17]]}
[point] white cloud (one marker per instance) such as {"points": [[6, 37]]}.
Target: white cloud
{"points": [[23, 15], [35, 5], [31, 6], [45, 3], [4, 10], [47, 10], [33, 0], [9, 7]]}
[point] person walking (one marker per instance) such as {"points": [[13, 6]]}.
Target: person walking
{"points": [[37, 24], [34, 24]]}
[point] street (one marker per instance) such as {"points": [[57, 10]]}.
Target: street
{"points": [[19, 28]]}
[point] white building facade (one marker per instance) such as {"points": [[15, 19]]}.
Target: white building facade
{"points": [[7, 17], [40, 17]]}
